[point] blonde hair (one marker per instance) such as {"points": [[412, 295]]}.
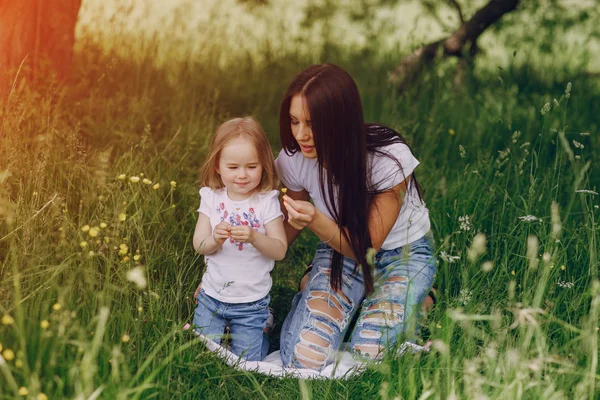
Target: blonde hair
{"points": [[247, 127]]}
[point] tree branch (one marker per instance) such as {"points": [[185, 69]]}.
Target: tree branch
{"points": [[412, 65]]}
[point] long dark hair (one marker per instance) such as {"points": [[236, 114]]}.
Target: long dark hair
{"points": [[342, 141]]}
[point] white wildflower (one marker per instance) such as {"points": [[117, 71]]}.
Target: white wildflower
{"points": [[448, 258], [578, 145], [137, 276], [529, 218], [555, 103], [465, 296], [565, 285], [463, 152], [587, 191], [465, 223], [584, 134], [568, 90]]}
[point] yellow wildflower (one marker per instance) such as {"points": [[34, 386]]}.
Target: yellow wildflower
{"points": [[93, 232], [42, 396], [83, 244], [85, 228], [137, 257], [125, 338], [1, 343], [103, 225], [147, 181], [134, 179], [122, 217], [122, 177], [283, 190], [438, 326], [140, 309], [23, 391], [91, 254], [44, 324], [125, 259], [18, 363], [156, 186], [7, 319], [8, 354], [562, 267], [56, 306], [451, 131], [173, 184], [123, 249], [512, 272]]}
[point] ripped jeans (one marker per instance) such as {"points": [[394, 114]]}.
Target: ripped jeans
{"points": [[313, 330]]}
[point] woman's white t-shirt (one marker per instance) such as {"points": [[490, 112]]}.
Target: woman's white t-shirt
{"points": [[238, 272], [298, 173]]}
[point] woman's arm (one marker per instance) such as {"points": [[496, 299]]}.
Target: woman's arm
{"points": [[272, 244], [383, 213]]}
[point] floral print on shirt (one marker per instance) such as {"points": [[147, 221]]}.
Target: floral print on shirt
{"points": [[238, 217]]}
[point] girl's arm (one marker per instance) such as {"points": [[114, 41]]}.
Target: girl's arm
{"points": [[205, 240], [272, 244], [383, 213]]}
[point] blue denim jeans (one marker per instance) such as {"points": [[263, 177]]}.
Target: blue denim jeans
{"points": [[311, 336], [246, 323]]}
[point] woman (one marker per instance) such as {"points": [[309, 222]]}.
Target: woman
{"points": [[364, 196]]}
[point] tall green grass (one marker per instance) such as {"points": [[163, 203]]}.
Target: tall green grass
{"points": [[510, 190]]}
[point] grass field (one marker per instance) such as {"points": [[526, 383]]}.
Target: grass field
{"points": [[98, 198]]}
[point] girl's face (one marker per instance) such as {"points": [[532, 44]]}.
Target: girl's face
{"points": [[240, 168], [301, 126]]}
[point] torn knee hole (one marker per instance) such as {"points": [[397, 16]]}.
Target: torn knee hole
{"points": [[373, 351], [397, 279], [387, 307], [324, 327], [309, 357], [321, 307], [314, 338], [369, 334]]}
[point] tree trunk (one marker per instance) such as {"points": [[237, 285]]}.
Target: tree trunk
{"points": [[38, 34], [454, 45]]}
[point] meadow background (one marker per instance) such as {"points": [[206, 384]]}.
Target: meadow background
{"points": [[99, 191]]}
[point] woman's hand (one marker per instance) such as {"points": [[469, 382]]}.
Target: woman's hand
{"points": [[242, 233], [222, 232], [300, 213]]}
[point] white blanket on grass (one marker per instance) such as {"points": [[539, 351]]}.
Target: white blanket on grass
{"points": [[344, 367]]}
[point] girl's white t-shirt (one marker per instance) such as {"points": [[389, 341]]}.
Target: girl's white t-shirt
{"points": [[297, 173], [238, 272]]}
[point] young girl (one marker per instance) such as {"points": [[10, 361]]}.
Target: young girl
{"points": [[364, 196], [240, 232]]}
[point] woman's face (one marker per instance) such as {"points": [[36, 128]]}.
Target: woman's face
{"points": [[301, 127]]}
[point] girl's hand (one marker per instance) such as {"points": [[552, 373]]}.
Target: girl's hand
{"points": [[242, 233], [222, 232], [197, 292], [300, 213]]}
